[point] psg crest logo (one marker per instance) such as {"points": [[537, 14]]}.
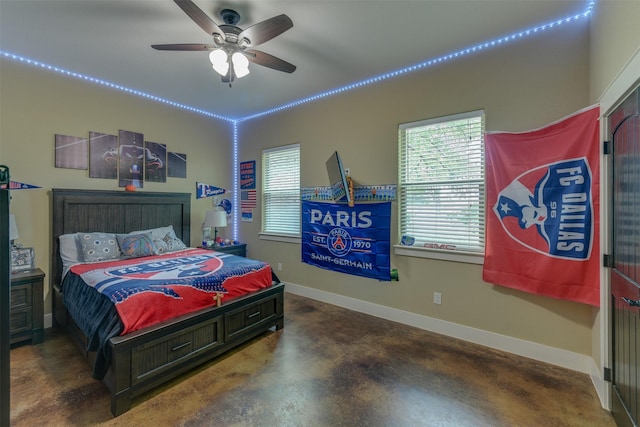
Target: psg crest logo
{"points": [[339, 242], [549, 209]]}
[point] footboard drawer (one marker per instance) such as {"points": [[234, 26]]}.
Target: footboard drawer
{"points": [[252, 316], [164, 353]]}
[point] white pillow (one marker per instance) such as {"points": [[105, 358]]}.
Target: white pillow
{"points": [[69, 251]]}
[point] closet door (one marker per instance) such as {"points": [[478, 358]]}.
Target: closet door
{"points": [[624, 125]]}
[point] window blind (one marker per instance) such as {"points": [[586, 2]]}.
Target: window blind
{"points": [[281, 190], [442, 193]]}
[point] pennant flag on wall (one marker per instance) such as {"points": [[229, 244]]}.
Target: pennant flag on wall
{"points": [[206, 190], [15, 185], [543, 203], [353, 240]]}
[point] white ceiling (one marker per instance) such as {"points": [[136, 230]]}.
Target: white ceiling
{"points": [[333, 42]]}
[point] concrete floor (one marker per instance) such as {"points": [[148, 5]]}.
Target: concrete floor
{"points": [[327, 367]]}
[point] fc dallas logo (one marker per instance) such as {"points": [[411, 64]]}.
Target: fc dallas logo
{"points": [[549, 209], [181, 268]]}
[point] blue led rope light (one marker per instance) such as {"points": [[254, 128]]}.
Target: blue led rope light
{"points": [[381, 77], [111, 85], [235, 180], [428, 63]]}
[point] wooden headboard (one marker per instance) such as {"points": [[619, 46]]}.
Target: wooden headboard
{"points": [[115, 212]]}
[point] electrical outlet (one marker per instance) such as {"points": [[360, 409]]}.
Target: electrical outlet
{"points": [[347, 171], [437, 298], [279, 266]]}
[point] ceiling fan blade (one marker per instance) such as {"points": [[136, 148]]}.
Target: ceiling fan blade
{"points": [[266, 30], [184, 46], [199, 17], [270, 61]]}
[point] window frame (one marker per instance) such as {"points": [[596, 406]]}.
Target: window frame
{"points": [[457, 255], [275, 235]]}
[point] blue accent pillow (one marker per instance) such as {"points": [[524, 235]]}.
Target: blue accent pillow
{"points": [[136, 245]]}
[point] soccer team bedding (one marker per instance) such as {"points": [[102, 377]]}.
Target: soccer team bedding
{"points": [[116, 297]]}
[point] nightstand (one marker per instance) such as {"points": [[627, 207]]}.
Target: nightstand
{"points": [[239, 249], [27, 306]]}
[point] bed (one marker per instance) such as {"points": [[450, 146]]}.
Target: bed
{"points": [[145, 358]]}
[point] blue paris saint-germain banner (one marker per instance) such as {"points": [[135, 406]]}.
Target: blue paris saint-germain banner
{"points": [[349, 240]]}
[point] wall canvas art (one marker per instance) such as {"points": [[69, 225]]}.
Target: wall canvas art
{"points": [[71, 152], [155, 162], [103, 155], [131, 151], [177, 165]]}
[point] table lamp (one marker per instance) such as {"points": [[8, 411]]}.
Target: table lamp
{"points": [[13, 229], [215, 219]]}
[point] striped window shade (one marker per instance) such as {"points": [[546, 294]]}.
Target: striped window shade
{"points": [[442, 192], [281, 190]]}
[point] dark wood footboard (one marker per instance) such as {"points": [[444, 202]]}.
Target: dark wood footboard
{"points": [[147, 358]]}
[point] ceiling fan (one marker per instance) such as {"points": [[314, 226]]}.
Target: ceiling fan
{"points": [[232, 47]]}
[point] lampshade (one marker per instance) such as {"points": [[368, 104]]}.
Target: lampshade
{"points": [[13, 228], [240, 64], [215, 219], [219, 61]]}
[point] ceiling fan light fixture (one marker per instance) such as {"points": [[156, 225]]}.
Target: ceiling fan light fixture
{"points": [[240, 64], [228, 54], [219, 61]]}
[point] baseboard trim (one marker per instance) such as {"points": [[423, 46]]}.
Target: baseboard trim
{"points": [[48, 321], [555, 356], [603, 389]]}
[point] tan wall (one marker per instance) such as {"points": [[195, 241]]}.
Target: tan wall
{"points": [[522, 86], [615, 38], [35, 105]]}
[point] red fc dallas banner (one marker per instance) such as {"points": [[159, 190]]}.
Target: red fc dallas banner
{"points": [[543, 203]]}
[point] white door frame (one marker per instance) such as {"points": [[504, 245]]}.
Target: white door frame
{"points": [[615, 93]]}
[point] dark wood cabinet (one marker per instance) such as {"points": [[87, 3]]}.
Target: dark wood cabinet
{"points": [[27, 306], [239, 249]]}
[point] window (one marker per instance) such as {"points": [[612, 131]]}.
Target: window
{"points": [[281, 190], [442, 194]]}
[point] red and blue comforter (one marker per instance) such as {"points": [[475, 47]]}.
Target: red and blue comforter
{"points": [[148, 290]]}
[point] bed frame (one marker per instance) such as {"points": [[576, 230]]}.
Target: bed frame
{"points": [[151, 356]]}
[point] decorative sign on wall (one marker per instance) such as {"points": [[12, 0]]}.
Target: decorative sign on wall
{"points": [[544, 189], [361, 193], [15, 185], [103, 155], [126, 157], [155, 162], [248, 199], [131, 166], [319, 194], [177, 165], [248, 193], [71, 152], [248, 175], [205, 190], [352, 240]]}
